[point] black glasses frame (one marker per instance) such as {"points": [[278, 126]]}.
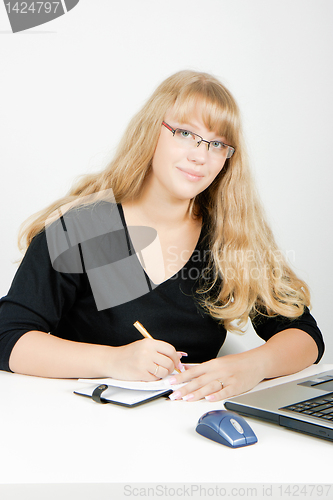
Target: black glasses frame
{"points": [[201, 139]]}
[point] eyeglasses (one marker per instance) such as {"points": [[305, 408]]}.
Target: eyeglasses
{"points": [[190, 139]]}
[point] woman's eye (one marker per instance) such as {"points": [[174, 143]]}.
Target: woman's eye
{"points": [[185, 133], [217, 145]]}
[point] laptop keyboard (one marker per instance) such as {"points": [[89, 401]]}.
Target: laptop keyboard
{"points": [[320, 407]]}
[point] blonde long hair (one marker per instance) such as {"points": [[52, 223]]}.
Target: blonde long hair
{"points": [[247, 273]]}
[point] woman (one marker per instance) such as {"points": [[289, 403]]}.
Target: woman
{"points": [[181, 170]]}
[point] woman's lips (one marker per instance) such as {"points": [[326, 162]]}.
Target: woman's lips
{"points": [[190, 174]]}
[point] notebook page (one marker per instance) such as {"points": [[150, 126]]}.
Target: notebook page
{"points": [[157, 385]]}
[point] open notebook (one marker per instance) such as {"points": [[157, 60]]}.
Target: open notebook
{"points": [[124, 392]]}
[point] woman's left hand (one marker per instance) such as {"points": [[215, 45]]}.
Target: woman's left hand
{"points": [[220, 378]]}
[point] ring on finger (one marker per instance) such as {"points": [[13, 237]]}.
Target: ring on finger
{"points": [[156, 370], [221, 384]]}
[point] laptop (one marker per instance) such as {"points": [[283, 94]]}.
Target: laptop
{"points": [[304, 405]]}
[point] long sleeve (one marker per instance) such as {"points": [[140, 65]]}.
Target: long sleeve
{"points": [[46, 298], [266, 327], [39, 296]]}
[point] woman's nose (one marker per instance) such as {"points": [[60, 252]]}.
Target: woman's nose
{"points": [[199, 152]]}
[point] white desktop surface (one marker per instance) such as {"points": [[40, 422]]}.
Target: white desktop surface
{"points": [[50, 435]]}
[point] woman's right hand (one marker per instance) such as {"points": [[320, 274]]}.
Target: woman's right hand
{"points": [[145, 359]]}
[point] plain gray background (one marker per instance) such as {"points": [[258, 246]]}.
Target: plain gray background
{"points": [[69, 87]]}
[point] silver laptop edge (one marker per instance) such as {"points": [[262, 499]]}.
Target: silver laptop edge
{"points": [[266, 404]]}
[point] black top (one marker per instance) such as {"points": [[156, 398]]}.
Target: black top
{"points": [[80, 280]]}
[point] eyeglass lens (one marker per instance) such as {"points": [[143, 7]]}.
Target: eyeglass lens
{"points": [[190, 139]]}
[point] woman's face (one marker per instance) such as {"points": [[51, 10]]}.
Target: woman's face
{"points": [[180, 172]]}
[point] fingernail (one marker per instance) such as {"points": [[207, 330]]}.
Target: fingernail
{"points": [[172, 380], [174, 395], [181, 367], [188, 396], [183, 354], [211, 397]]}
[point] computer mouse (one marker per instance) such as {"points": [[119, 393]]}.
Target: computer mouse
{"points": [[227, 428]]}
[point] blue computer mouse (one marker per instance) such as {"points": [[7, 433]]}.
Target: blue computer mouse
{"points": [[227, 428]]}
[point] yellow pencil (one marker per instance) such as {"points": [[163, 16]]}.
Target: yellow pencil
{"points": [[146, 334], [142, 330]]}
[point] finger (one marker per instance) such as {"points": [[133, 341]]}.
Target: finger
{"points": [[225, 391], [228, 391], [208, 392], [186, 392], [191, 372], [199, 388], [158, 371], [221, 393], [161, 353], [217, 396], [164, 362], [167, 350], [152, 373], [167, 363]]}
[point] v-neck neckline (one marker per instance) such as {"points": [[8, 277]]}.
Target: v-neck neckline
{"points": [[132, 251]]}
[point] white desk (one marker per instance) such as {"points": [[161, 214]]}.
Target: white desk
{"points": [[50, 435]]}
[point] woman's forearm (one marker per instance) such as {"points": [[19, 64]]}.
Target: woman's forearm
{"points": [[287, 352], [38, 353]]}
